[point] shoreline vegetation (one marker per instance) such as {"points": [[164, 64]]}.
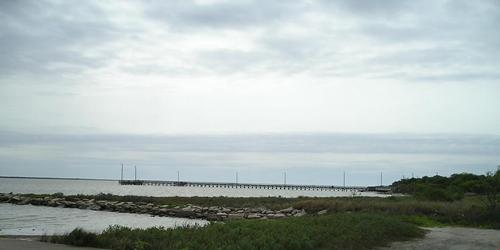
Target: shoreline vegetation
{"points": [[338, 231], [291, 223]]}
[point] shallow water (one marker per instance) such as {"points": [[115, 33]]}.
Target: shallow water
{"points": [[71, 187], [39, 220]]}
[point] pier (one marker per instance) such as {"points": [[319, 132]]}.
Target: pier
{"points": [[243, 185]]}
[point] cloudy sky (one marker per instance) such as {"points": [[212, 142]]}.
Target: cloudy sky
{"points": [[211, 87]]}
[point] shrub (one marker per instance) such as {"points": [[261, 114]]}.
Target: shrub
{"points": [[340, 231]]}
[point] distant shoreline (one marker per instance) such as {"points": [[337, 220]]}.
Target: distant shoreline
{"points": [[56, 178]]}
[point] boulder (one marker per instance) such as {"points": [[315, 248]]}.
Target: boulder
{"points": [[236, 216], [213, 209], [185, 213], [188, 209], [37, 202], [300, 213], [24, 201], [286, 210], [15, 199], [254, 216], [94, 207], [220, 214], [322, 212], [225, 210], [279, 216], [4, 198]]}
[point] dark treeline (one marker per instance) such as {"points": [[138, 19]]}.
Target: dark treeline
{"points": [[440, 188]]}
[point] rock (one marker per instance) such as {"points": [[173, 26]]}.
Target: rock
{"points": [[279, 216], [95, 207], [15, 199], [37, 202], [225, 210], [254, 216], [236, 216], [254, 210], [185, 213], [286, 210], [300, 213], [188, 209], [24, 201], [212, 217], [322, 212], [4, 198]]}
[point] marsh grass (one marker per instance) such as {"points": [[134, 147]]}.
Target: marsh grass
{"points": [[339, 231]]}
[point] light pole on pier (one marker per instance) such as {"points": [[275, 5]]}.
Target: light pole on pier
{"points": [[178, 177], [121, 177], [284, 178], [344, 179], [381, 179], [135, 173]]}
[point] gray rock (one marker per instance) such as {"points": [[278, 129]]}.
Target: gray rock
{"points": [[322, 212], [286, 210], [188, 209], [254, 216], [279, 216], [235, 216], [15, 199], [185, 214], [300, 213], [95, 207], [24, 201]]}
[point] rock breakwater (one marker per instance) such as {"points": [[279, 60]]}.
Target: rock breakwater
{"points": [[212, 213]]}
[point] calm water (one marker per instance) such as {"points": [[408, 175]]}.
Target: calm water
{"points": [[38, 220], [69, 187]]}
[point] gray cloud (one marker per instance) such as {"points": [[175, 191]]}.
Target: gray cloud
{"points": [[44, 37], [180, 15], [369, 39], [271, 143]]}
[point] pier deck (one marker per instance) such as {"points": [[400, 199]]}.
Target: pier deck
{"points": [[242, 185]]}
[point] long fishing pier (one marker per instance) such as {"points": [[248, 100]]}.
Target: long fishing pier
{"points": [[242, 185]]}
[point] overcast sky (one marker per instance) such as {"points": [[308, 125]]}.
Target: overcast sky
{"points": [[377, 74]]}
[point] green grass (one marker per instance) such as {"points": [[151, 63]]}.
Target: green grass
{"points": [[423, 221], [340, 231]]}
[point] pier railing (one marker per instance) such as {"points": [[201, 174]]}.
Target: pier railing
{"points": [[242, 185]]}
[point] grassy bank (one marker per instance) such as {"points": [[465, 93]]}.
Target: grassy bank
{"points": [[339, 231]]}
